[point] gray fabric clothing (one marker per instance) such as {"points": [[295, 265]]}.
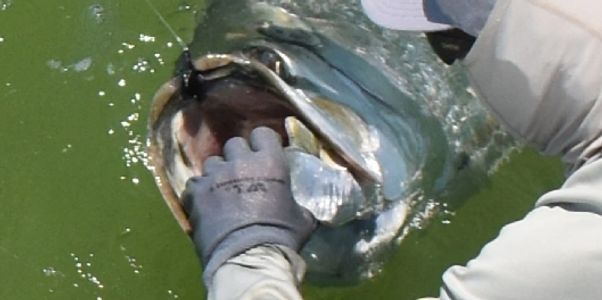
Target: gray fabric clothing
{"points": [[537, 64], [265, 272]]}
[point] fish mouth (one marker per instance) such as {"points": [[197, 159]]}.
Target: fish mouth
{"points": [[185, 130], [231, 107]]}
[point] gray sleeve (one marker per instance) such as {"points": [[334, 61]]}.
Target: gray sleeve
{"points": [[553, 253], [543, 89], [266, 272]]}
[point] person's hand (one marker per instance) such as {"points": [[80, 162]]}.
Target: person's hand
{"points": [[243, 200]]}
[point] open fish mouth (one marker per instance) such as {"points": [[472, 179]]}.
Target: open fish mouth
{"points": [[331, 150]]}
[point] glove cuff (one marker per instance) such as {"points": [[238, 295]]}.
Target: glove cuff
{"points": [[243, 239]]}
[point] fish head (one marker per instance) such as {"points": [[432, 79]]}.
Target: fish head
{"points": [[358, 147], [241, 91]]}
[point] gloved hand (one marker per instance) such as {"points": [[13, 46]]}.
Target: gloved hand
{"points": [[244, 200]]}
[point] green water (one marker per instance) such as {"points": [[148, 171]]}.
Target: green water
{"points": [[81, 217]]}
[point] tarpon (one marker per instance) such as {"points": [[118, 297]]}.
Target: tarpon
{"points": [[359, 147]]}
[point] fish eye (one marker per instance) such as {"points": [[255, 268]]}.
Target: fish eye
{"points": [[270, 59]]}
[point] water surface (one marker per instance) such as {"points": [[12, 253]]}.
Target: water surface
{"points": [[81, 217]]}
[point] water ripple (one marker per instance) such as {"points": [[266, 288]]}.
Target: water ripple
{"points": [[5, 4]]}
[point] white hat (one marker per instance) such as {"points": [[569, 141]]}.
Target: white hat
{"points": [[415, 15], [429, 15]]}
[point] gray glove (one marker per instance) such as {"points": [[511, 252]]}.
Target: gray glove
{"points": [[244, 200]]}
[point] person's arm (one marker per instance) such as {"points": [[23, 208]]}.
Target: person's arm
{"points": [[263, 272]]}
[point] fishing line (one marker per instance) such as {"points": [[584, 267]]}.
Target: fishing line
{"points": [[191, 78], [171, 30]]}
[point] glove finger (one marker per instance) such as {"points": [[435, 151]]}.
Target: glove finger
{"points": [[265, 139], [211, 164], [235, 147]]}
